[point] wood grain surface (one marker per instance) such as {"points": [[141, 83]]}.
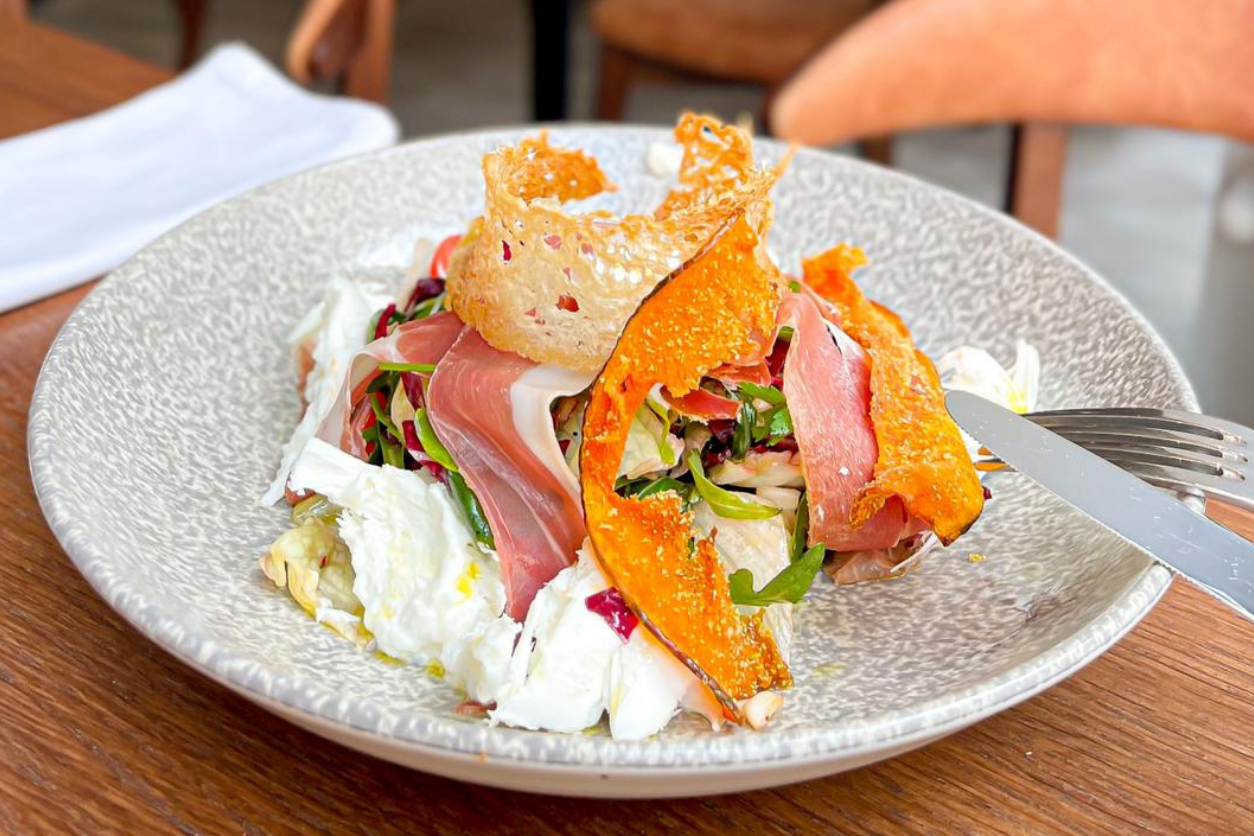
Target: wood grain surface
{"points": [[102, 732]]}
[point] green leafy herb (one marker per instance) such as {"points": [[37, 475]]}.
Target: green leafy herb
{"points": [[789, 586], [470, 505], [794, 286], [665, 484], [374, 325], [383, 382], [421, 368], [392, 441], [779, 424], [426, 308], [800, 529], [725, 503], [770, 394], [742, 434], [431, 443]]}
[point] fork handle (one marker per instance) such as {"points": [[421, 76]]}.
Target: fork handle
{"points": [[1240, 520]]}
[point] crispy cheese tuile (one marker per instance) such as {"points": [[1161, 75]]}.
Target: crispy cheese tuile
{"points": [[557, 287]]}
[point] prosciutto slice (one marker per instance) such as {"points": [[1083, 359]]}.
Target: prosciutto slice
{"points": [[827, 386], [422, 341], [535, 520]]}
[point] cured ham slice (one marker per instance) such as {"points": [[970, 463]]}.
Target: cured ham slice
{"points": [[703, 405], [422, 341], [827, 386], [536, 522]]}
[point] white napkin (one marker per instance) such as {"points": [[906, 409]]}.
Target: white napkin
{"points": [[79, 198]]}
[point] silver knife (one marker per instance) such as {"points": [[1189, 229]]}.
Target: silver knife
{"points": [[1214, 558]]}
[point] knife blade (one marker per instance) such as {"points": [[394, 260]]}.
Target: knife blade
{"points": [[1208, 554]]}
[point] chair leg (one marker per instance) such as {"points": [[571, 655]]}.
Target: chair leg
{"points": [[1038, 156], [877, 149], [369, 73], [614, 79], [192, 18]]}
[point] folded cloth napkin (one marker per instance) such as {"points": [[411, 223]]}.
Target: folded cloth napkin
{"points": [[79, 198]]}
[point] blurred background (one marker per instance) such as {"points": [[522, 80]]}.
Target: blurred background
{"points": [[1166, 215]]}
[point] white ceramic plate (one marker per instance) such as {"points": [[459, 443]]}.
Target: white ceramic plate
{"points": [[163, 403]]}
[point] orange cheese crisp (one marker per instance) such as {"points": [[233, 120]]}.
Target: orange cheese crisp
{"points": [[719, 308], [922, 458], [556, 287]]}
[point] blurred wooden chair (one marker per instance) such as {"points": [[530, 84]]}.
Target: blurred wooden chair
{"points": [[348, 42], [191, 22], [758, 41], [1044, 63]]}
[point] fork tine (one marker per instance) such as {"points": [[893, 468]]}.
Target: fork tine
{"points": [[1179, 479], [1189, 423], [1126, 455], [1207, 447], [1236, 491]]}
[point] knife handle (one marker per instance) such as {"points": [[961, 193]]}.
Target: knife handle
{"points": [[1240, 520]]}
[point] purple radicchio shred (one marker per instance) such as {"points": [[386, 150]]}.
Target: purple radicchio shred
{"points": [[609, 604], [425, 289], [381, 327], [413, 389]]}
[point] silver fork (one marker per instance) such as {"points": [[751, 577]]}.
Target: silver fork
{"points": [[1181, 451]]}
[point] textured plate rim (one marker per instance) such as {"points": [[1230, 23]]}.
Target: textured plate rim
{"points": [[250, 677]]}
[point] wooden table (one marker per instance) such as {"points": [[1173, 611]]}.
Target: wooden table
{"points": [[102, 732]]}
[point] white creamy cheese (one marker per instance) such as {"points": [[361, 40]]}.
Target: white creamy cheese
{"points": [[337, 327], [429, 592], [570, 668]]}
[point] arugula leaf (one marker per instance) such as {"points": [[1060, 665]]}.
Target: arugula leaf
{"points": [[800, 529], [426, 308], [393, 453], [470, 505], [789, 586], [384, 382], [431, 442], [421, 368], [725, 503], [780, 424], [742, 435], [770, 394], [385, 420]]}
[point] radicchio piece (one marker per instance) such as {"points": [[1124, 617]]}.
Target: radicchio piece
{"points": [[413, 389], [381, 326], [425, 289], [609, 604]]}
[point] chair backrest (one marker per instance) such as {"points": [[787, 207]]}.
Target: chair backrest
{"points": [[349, 41], [918, 63]]}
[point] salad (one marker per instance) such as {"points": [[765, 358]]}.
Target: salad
{"points": [[583, 466]]}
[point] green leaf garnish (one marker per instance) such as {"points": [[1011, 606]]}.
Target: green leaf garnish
{"points": [[385, 420], [788, 587], [393, 452], [742, 434], [794, 286], [770, 394], [665, 484], [431, 443], [800, 529], [725, 503], [426, 308], [780, 424], [470, 506], [420, 368]]}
